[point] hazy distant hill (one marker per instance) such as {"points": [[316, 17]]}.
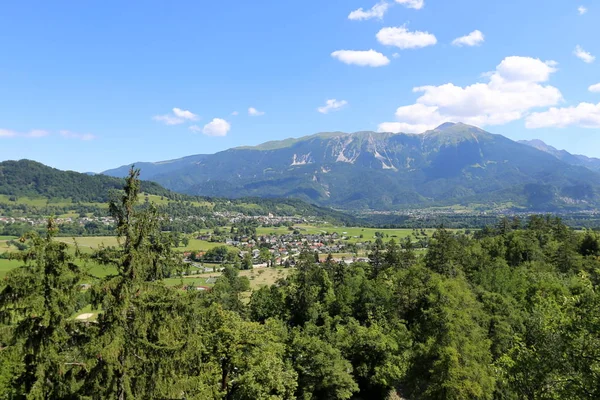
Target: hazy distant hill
{"points": [[573, 159], [151, 169], [453, 164]]}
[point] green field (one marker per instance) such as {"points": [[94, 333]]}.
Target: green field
{"points": [[7, 237], [90, 242], [352, 233], [40, 202], [7, 265]]}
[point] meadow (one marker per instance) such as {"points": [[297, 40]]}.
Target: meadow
{"points": [[89, 244], [353, 234]]}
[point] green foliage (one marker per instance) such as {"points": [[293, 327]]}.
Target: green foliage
{"points": [[39, 338], [511, 312], [456, 165], [29, 178]]}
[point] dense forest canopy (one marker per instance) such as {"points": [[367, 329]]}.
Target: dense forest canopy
{"points": [[30, 178], [511, 312]]}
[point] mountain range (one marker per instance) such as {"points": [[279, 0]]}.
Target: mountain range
{"points": [[563, 155], [452, 165]]}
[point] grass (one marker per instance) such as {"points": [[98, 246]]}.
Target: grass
{"points": [[89, 243], [88, 310], [196, 244], [353, 234], [260, 277], [5, 247], [7, 265]]}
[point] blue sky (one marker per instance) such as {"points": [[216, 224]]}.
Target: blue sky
{"points": [[96, 84]]}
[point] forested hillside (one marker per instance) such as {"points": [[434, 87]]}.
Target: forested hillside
{"points": [[511, 312], [452, 165], [33, 179], [32, 189]]}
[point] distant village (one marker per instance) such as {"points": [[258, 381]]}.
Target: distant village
{"points": [[231, 217]]}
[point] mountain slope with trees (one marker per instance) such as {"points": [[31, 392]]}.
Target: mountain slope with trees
{"points": [[563, 155], [32, 179], [455, 164], [67, 191], [511, 312]]}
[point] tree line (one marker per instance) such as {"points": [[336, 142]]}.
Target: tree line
{"points": [[511, 312]]}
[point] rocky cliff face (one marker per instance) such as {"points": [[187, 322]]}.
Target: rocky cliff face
{"points": [[453, 164]]}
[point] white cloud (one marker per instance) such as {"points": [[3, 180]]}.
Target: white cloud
{"points": [[332, 105], [582, 10], [5, 133], [512, 90], [583, 55], [185, 114], [368, 58], [37, 133], [178, 117], [402, 38], [78, 136], [584, 115], [216, 127], [416, 4], [34, 133], [377, 11], [595, 88], [396, 55], [474, 38], [234, 113], [253, 112]]}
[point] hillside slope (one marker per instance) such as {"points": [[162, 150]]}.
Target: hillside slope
{"points": [[33, 179], [563, 155], [455, 164], [30, 179]]}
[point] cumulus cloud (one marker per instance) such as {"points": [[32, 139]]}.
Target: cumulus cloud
{"points": [[474, 38], [512, 90], [185, 114], [584, 115], [367, 58], [332, 105], [416, 4], [253, 112], [582, 10], [75, 135], [377, 11], [178, 117], [402, 38], [583, 55], [34, 133], [595, 88], [216, 127]]}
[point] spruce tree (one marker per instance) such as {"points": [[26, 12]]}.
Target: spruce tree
{"points": [[37, 303]]}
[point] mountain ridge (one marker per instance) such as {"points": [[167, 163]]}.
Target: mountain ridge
{"points": [[454, 164], [573, 159]]}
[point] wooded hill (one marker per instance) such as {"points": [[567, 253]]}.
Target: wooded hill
{"points": [[509, 313], [455, 164], [68, 191]]}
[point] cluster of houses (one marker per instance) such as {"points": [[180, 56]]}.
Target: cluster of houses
{"points": [[43, 221], [265, 220], [279, 248]]}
